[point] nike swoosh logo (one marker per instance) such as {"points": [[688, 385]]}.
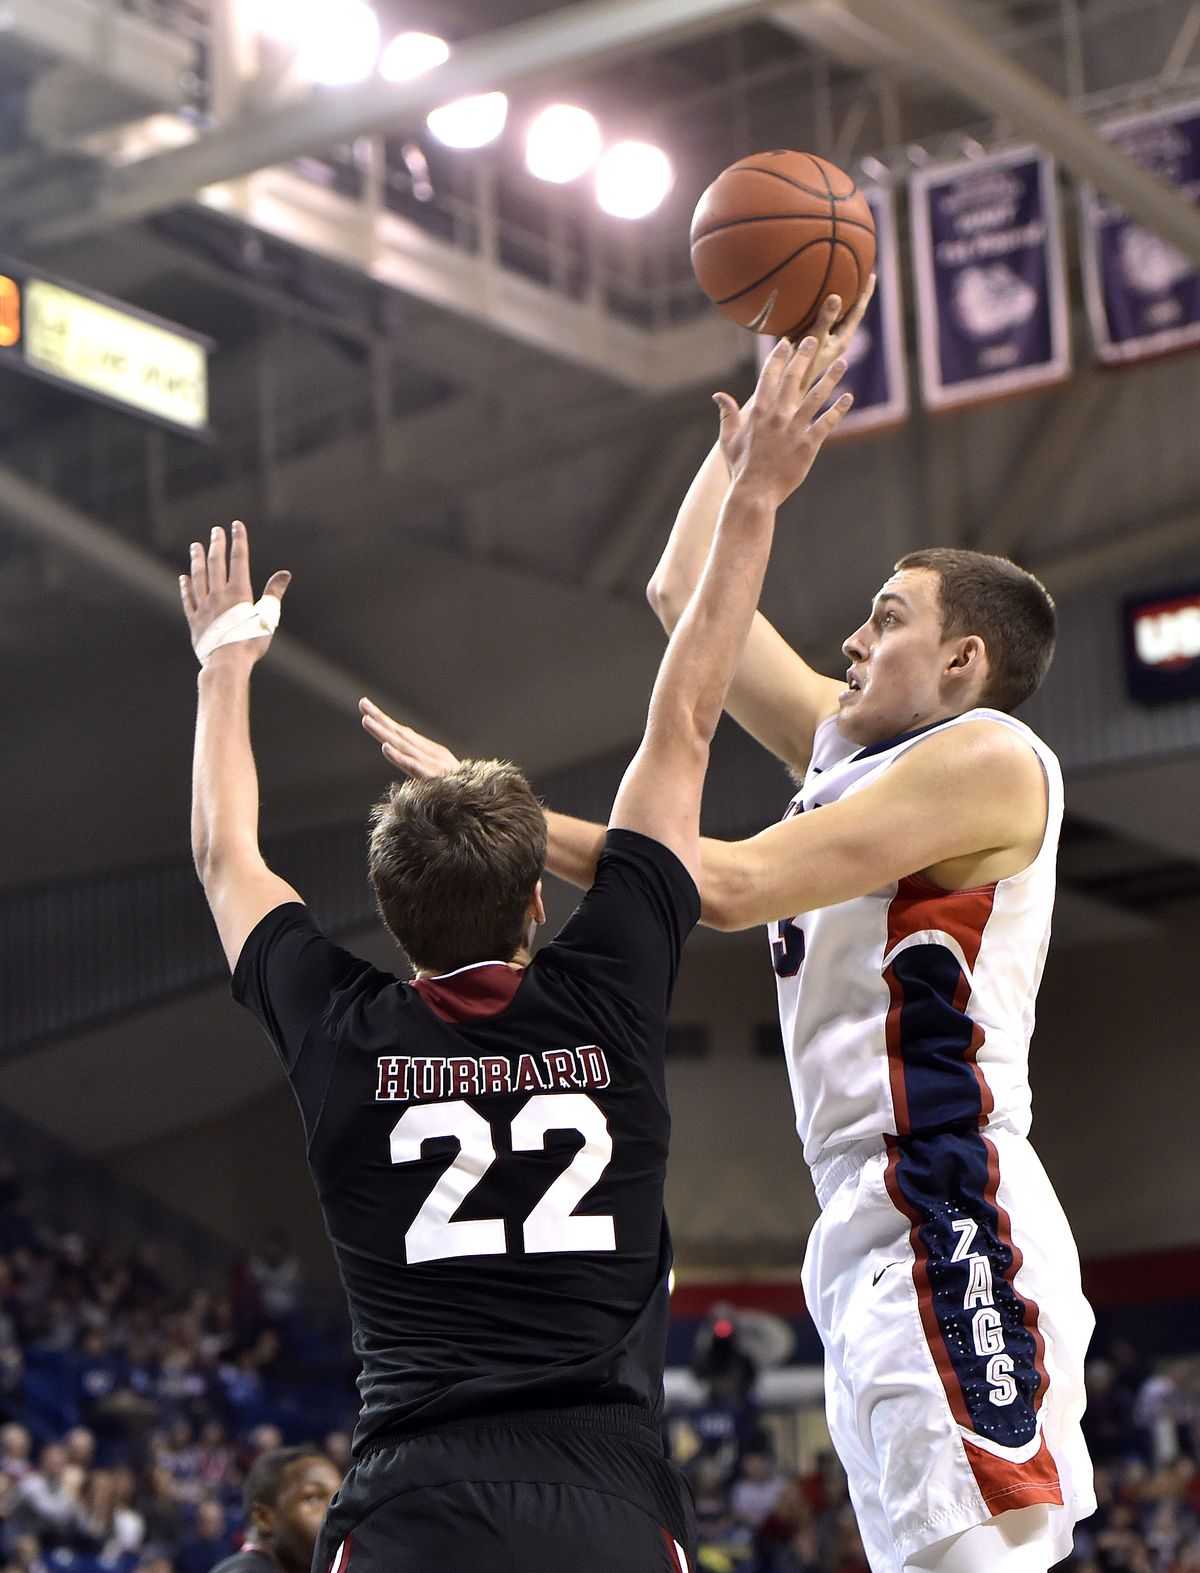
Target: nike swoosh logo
{"points": [[881, 1272]]}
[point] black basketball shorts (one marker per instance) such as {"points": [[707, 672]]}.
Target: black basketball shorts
{"points": [[583, 1490]]}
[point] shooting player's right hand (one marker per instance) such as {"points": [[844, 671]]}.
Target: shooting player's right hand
{"points": [[405, 749], [833, 336]]}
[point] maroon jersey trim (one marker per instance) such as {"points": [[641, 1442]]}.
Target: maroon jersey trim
{"points": [[483, 990]]}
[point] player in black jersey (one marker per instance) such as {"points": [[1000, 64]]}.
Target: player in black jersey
{"points": [[286, 1496], [489, 1141]]}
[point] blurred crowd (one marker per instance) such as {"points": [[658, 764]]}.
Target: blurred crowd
{"points": [[130, 1415], [755, 1516]]}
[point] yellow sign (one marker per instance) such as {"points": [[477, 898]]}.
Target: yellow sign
{"points": [[115, 353]]}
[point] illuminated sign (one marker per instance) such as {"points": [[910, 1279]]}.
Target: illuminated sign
{"points": [[103, 348], [1162, 646]]}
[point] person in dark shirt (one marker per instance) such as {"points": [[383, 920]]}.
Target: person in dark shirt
{"points": [[489, 1140], [209, 1542], [286, 1496]]}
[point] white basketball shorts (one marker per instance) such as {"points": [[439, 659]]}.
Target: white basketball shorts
{"points": [[944, 1282]]}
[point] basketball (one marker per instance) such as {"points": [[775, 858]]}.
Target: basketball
{"points": [[775, 234]]}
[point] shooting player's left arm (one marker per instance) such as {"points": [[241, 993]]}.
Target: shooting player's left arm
{"points": [[240, 888], [975, 793]]}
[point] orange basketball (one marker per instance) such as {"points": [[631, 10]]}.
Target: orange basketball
{"points": [[777, 232]]}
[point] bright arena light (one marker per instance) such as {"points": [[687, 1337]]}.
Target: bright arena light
{"points": [[412, 54], [276, 19], [563, 143], [344, 48], [335, 42], [469, 122], [632, 179]]}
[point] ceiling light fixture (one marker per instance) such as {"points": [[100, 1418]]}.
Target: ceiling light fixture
{"points": [[469, 122], [563, 143], [633, 179]]}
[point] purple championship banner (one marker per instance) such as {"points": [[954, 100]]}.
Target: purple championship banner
{"points": [[1143, 296], [991, 291], [876, 374]]}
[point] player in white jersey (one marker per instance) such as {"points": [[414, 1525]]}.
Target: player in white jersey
{"points": [[909, 923]]}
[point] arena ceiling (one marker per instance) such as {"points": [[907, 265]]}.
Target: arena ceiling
{"points": [[471, 477]]}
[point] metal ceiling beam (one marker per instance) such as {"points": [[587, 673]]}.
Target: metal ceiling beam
{"points": [[39, 513], [592, 33], [1109, 561], [970, 65]]}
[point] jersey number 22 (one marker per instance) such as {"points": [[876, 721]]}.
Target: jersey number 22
{"points": [[434, 1234]]}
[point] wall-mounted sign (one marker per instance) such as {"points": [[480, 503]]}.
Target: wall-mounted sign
{"points": [[991, 288], [1143, 295], [103, 348], [1162, 646]]}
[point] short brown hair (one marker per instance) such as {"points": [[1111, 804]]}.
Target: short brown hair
{"points": [[454, 863], [1007, 607]]}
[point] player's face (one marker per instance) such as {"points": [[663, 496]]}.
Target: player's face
{"points": [[309, 1484], [897, 660]]}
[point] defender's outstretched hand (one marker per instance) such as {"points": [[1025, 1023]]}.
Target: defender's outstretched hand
{"points": [[774, 440], [218, 601], [406, 750]]}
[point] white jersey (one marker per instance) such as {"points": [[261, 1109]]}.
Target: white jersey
{"points": [[910, 1010]]}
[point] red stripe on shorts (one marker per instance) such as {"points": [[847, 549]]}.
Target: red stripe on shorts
{"points": [[1005, 1232], [676, 1561], [1004, 1484]]}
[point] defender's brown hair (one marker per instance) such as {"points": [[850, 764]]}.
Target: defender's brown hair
{"points": [[454, 862], [1009, 609]]}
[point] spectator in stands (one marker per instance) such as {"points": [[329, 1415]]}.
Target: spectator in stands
{"points": [[275, 1274], [154, 1562], [757, 1489], [264, 1438], [16, 1449], [185, 1380], [162, 1506], [175, 1450], [209, 1543], [717, 1531], [285, 1498], [802, 1554], [720, 1361], [216, 1461], [845, 1553], [1108, 1419], [46, 1504], [119, 1525], [337, 1450], [25, 1556], [11, 1362]]}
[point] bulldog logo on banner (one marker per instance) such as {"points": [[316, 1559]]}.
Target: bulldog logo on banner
{"points": [[1143, 296], [991, 293]]}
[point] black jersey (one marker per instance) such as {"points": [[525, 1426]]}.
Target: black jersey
{"points": [[490, 1149]]}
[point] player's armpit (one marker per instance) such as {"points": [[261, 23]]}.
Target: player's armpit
{"points": [[573, 848], [241, 890], [974, 792]]}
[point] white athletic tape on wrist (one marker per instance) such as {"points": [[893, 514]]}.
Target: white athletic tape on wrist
{"points": [[246, 620]]}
